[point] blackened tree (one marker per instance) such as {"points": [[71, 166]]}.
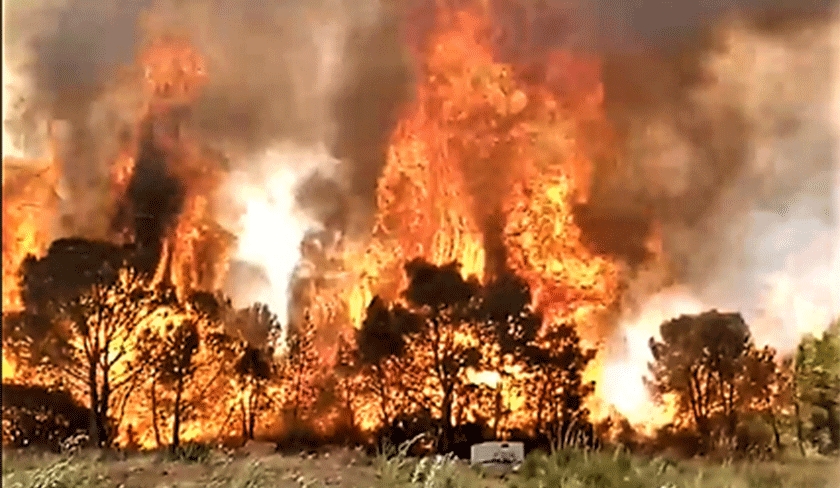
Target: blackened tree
{"points": [[446, 302], [100, 329], [381, 345], [701, 359], [558, 360]]}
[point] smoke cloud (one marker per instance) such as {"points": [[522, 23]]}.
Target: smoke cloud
{"points": [[64, 57], [730, 143], [326, 74], [723, 110], [739, 165], [301, 99], [319, 72]]}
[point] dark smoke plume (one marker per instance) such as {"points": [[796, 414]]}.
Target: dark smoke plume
{"points": [[317, 73], [68, 55], [722, 111]]}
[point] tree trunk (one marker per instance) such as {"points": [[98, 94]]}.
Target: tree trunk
{"points": [[155, 427], [777, 436], [799, 433], [540, 402], [732, 412], [383, 397], [446, 414], [497, 416], [176, 414], [104, 408], [253, 404], [298, 383], [244, 418], [833, 423], [93, 392]]}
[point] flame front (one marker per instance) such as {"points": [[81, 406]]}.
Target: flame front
{"points": [[472, 115], [475, 117], [484, 167]]}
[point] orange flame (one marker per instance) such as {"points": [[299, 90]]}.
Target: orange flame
{"points": [[473, 114]]}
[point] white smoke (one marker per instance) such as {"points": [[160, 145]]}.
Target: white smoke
{"points": [[14, 89], [781, 270], [780, 267], [628, 356], [271, 224], [271, 227]]}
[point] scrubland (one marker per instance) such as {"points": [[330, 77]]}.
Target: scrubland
{"points": [[258, 466]]}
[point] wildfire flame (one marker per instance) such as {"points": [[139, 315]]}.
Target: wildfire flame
{"points": [[481, 132], [472, 110]]}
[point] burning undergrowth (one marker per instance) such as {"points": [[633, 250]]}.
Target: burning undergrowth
{"points": [[447, 209]]}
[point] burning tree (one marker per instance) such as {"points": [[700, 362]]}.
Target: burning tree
{"points": [[710, 363], [558, 362], [444, 301], [176, 366], [191, 360], [91, 338], [256, 367], [381, 346], [453, 331], [301, 370], [510, 325], [253, 371], [347, 383]]}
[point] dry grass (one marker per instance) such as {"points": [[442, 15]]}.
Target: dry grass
{"points": [[392, 468]]}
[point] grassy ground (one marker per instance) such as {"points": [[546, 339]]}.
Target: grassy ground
{"points": [[258, 467]]}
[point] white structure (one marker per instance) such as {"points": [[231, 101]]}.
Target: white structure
{"points": [[498, 456]]}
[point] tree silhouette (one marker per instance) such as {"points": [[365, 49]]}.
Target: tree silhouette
{"points": [[446, 302], [255, 365], [253, 371], [68, 269], [177, 366], [700, 359], [558, 361], [301, 370], [381, 343], [765, 387], [101, 327], [506, 308], [186, 358], [509, 327]]}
